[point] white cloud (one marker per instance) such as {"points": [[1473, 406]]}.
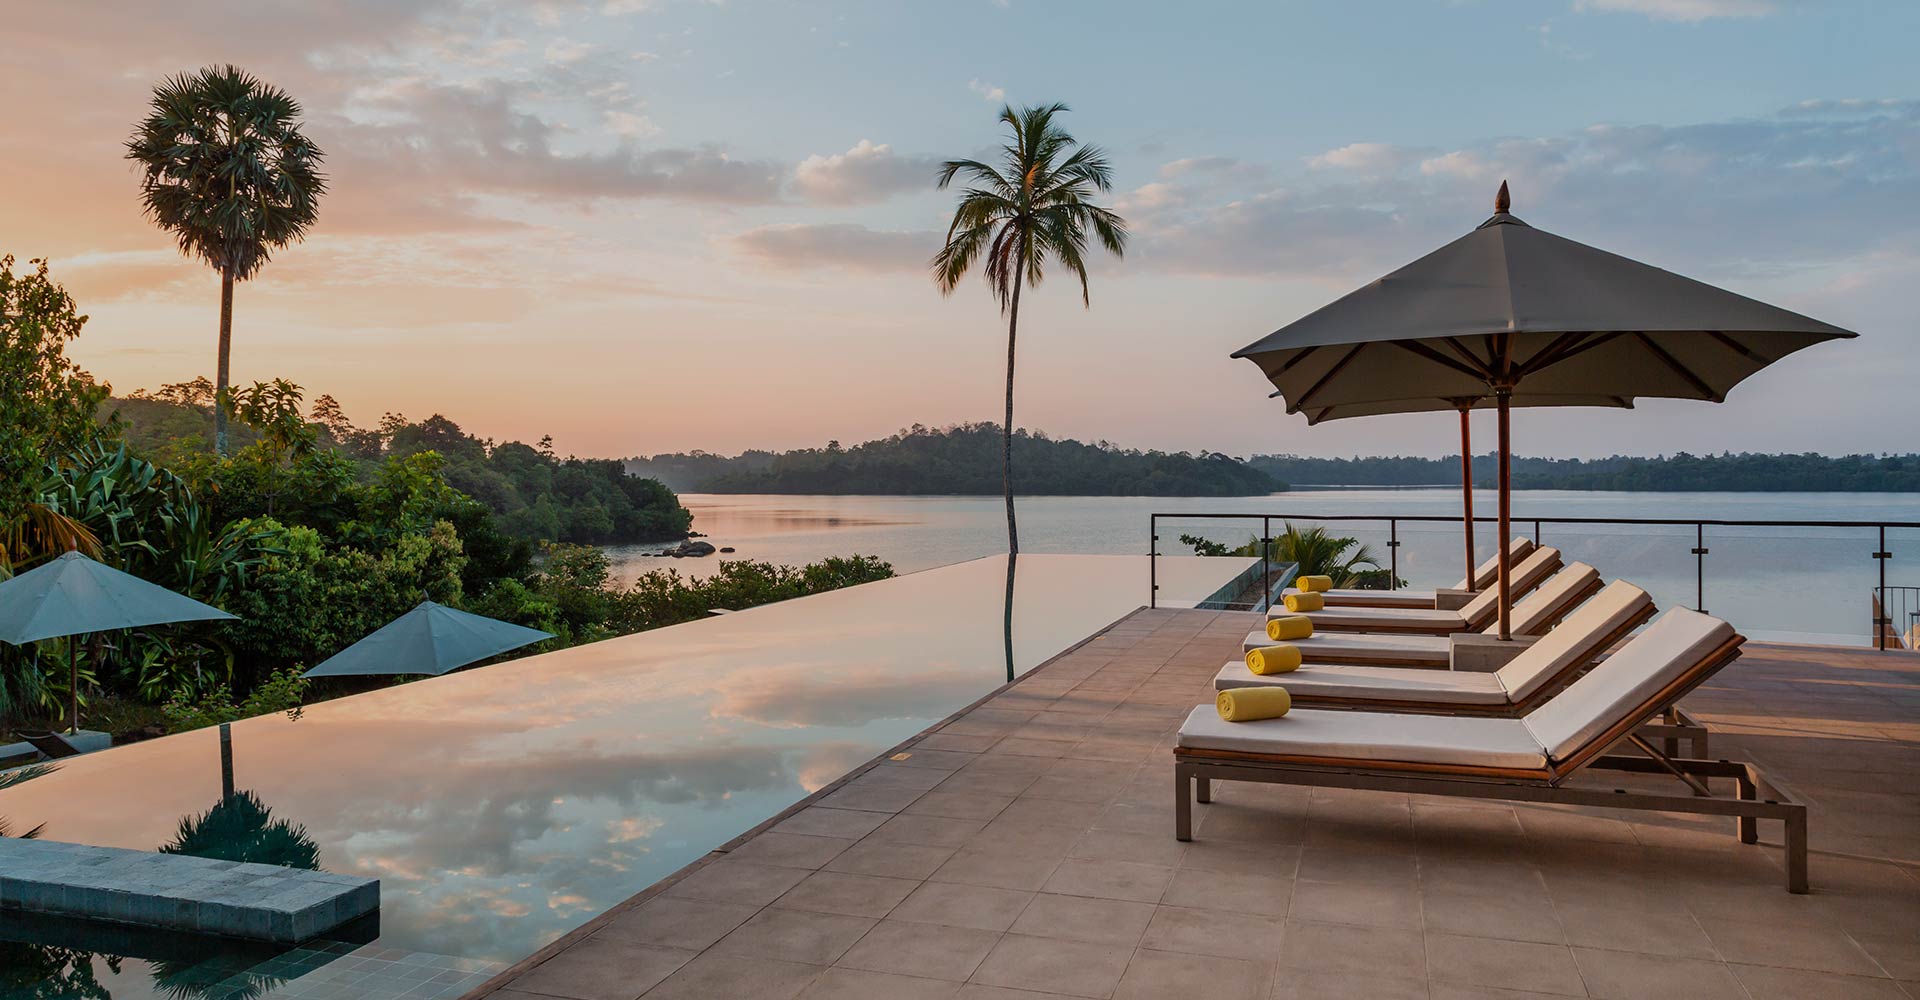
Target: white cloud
{"points": [[841, 246], [987, 91], [1363, 157], [1680, 10], [628, 125], [566, 52], [867, 172]]}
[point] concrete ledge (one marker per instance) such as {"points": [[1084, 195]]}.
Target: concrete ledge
{"points": [[1448, 599], [179, 892], [1482, 653]]}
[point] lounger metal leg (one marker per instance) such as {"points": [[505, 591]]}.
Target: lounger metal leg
{"points": [[1203, 788], [1797, 851], [1671, 744], [1182, 803], [1749, 825]]}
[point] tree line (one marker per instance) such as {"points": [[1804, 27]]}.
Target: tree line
{"points": [[962, 460], [1680, 472]]}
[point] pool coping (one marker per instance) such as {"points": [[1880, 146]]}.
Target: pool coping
{"points": [[507, 976]]}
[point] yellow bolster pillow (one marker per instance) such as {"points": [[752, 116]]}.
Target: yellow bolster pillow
{"points": [[1289, 628], [1248, 704], [1273, 659], [1305, 602], [1314, 584]]}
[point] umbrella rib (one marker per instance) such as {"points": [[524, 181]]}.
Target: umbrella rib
{"points": [[1328, 377], [1290, 362], [1572, 352], [1482, 369], [1546, 355], [1738, 348], [1679, 369], [1436, 357]]}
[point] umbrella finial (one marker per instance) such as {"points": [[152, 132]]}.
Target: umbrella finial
{"points": [[1503, 201]]}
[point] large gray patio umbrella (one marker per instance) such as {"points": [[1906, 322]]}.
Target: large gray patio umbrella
{"points": [[74, 594], [1509, 315], [430, 639]]}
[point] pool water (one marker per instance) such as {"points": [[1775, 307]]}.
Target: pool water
{"points": [[503, 806]]}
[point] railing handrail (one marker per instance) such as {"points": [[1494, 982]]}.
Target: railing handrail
{"points": [[1881, 554]]}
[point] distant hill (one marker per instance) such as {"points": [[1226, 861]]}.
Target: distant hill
{"points": [[1681, 472], [961, 460]]}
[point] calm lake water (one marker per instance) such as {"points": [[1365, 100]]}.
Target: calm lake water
{"points": [[1782, 583]]}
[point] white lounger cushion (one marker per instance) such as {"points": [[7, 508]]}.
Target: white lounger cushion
{"points": [[1575, 639], [1476, 614], [1553, 600], [1484, 575], [1427, 739], [1356, 645], [1334, 680], [1676, 641]]}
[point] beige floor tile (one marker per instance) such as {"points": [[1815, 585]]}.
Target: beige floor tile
{"points": [[894, 860], [956, 905], [1774, 983], [1050, 965], [998, 868], [982, 806], [820, 821], [1668, 930], [1297, 984], [714, 976], [1519, 918], [1143, 848], [1521, 965], [794, 936], [933, 831], [1623, 975], [1080, 918], [1110, 880], [672, 922], [1815, 948], [1256, 894], [1346, 950], [930, 951], [790, 850], [1214, 932], [730, 881], [848, 894], [1371, 905], [603, 969], [1161, 975], [1271, 861], [855, 984]]}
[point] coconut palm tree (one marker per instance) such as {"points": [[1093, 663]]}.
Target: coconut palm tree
{"points": [[1318, 553], [1032, 210], [226, 170]]}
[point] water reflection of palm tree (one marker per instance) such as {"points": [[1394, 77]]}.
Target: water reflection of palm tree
{"points": [[45, 972], [240, 827], [1007, 619]]}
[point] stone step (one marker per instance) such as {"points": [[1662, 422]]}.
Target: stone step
{"points": [[179, 892]]}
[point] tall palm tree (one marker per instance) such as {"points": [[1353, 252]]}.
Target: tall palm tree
{"points": [[1031, 210], [226, 170]]}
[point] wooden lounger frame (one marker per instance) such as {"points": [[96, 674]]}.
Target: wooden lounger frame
{"points": [[1756, 798], [1386, 626], [1573, 601]]}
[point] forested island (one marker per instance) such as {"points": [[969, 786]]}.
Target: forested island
{"points": [[1682, 472], [535, 494], [962, 460]]}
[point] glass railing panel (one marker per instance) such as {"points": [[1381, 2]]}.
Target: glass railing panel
{"points": [[1793, 584], [1655, 557]]}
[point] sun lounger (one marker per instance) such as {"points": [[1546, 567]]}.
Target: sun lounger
{"points": [[1485, 575], [1532, 617], [1482, 611], [51, 745], [1531, 758]]}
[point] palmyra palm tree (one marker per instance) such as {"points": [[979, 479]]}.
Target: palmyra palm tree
{"points": [[1031, 210], [226, 170]]}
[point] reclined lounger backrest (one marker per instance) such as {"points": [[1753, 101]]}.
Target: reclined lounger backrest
{"points": [[1575, 640], [1484, 609], [1552, 601], [1488, 573], [1657, 657]]}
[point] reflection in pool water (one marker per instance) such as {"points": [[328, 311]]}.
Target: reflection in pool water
{"points": [[502, 806]]}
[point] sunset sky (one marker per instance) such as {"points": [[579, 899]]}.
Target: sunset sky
{"points": [[653, 225]]}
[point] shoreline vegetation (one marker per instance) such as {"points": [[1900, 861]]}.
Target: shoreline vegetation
{"points": [[963, 460]]}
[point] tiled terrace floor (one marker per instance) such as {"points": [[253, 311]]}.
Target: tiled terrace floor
{"points": [[1026, 850]]}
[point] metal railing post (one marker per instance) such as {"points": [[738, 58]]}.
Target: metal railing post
{"points": [[1881, 618], [1266, 567], [1393, 550], [1153, 560], [1700, 567]]}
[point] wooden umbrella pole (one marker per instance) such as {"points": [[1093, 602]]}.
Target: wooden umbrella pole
{"points": [[1466, 485], [1503, 397], [73, 689]]}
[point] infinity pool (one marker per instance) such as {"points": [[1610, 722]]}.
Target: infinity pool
{"points": [[503, 806]]}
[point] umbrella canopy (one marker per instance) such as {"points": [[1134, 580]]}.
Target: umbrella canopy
{"points": [[75, 594], [430, 639], [1509, 315]]}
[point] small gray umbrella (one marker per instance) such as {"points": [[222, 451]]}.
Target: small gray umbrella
{"points": [[430, 639], [74, 594], [1509, 315]]}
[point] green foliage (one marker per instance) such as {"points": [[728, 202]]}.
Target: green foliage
{"points": [[17, 776], [965, 460], [48, 972], [1681, 472], [660, 597], [281, 691], [241, 828], [1317, 553]]}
